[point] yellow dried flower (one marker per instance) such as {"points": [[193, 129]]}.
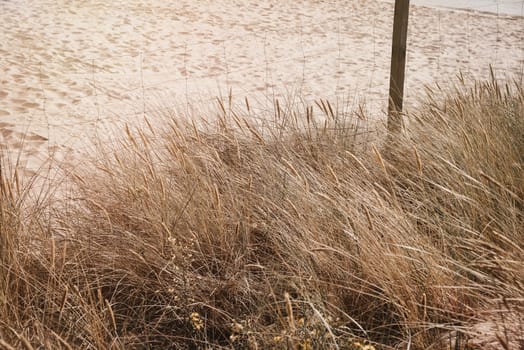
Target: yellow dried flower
{"points": [[236, 327], [306, 345], [361, 346], [196, 320]]}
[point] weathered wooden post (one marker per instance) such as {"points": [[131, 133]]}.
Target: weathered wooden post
{"points": [[398, 65]]}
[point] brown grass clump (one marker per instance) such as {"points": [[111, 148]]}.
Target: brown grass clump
{"points": [[298, 231]]}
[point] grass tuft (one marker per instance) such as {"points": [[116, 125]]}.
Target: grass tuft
{"points": [[299, 230]]}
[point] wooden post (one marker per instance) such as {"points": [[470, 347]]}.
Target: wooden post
{"points": [[398, 65]]}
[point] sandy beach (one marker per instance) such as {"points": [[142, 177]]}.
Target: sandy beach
{"points": [[69, 69]]}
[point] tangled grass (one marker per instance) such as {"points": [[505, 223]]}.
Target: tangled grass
{"points": [[295, 231]]}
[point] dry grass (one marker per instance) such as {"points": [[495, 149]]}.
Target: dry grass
{"points": [[302, 231]]}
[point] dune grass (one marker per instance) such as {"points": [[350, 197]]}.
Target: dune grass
{"points": [[298, 230]]}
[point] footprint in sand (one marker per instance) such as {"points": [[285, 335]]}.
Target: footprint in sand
{"points": [[19, 80], [3, 94], [27, 137], [32, 153], [5, 125], [4, 113], [18, 145], [20, 109], [31, 105], [35, 137], [6, 133]]}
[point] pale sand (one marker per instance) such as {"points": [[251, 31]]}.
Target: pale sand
{"points": [[70, 68]]}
